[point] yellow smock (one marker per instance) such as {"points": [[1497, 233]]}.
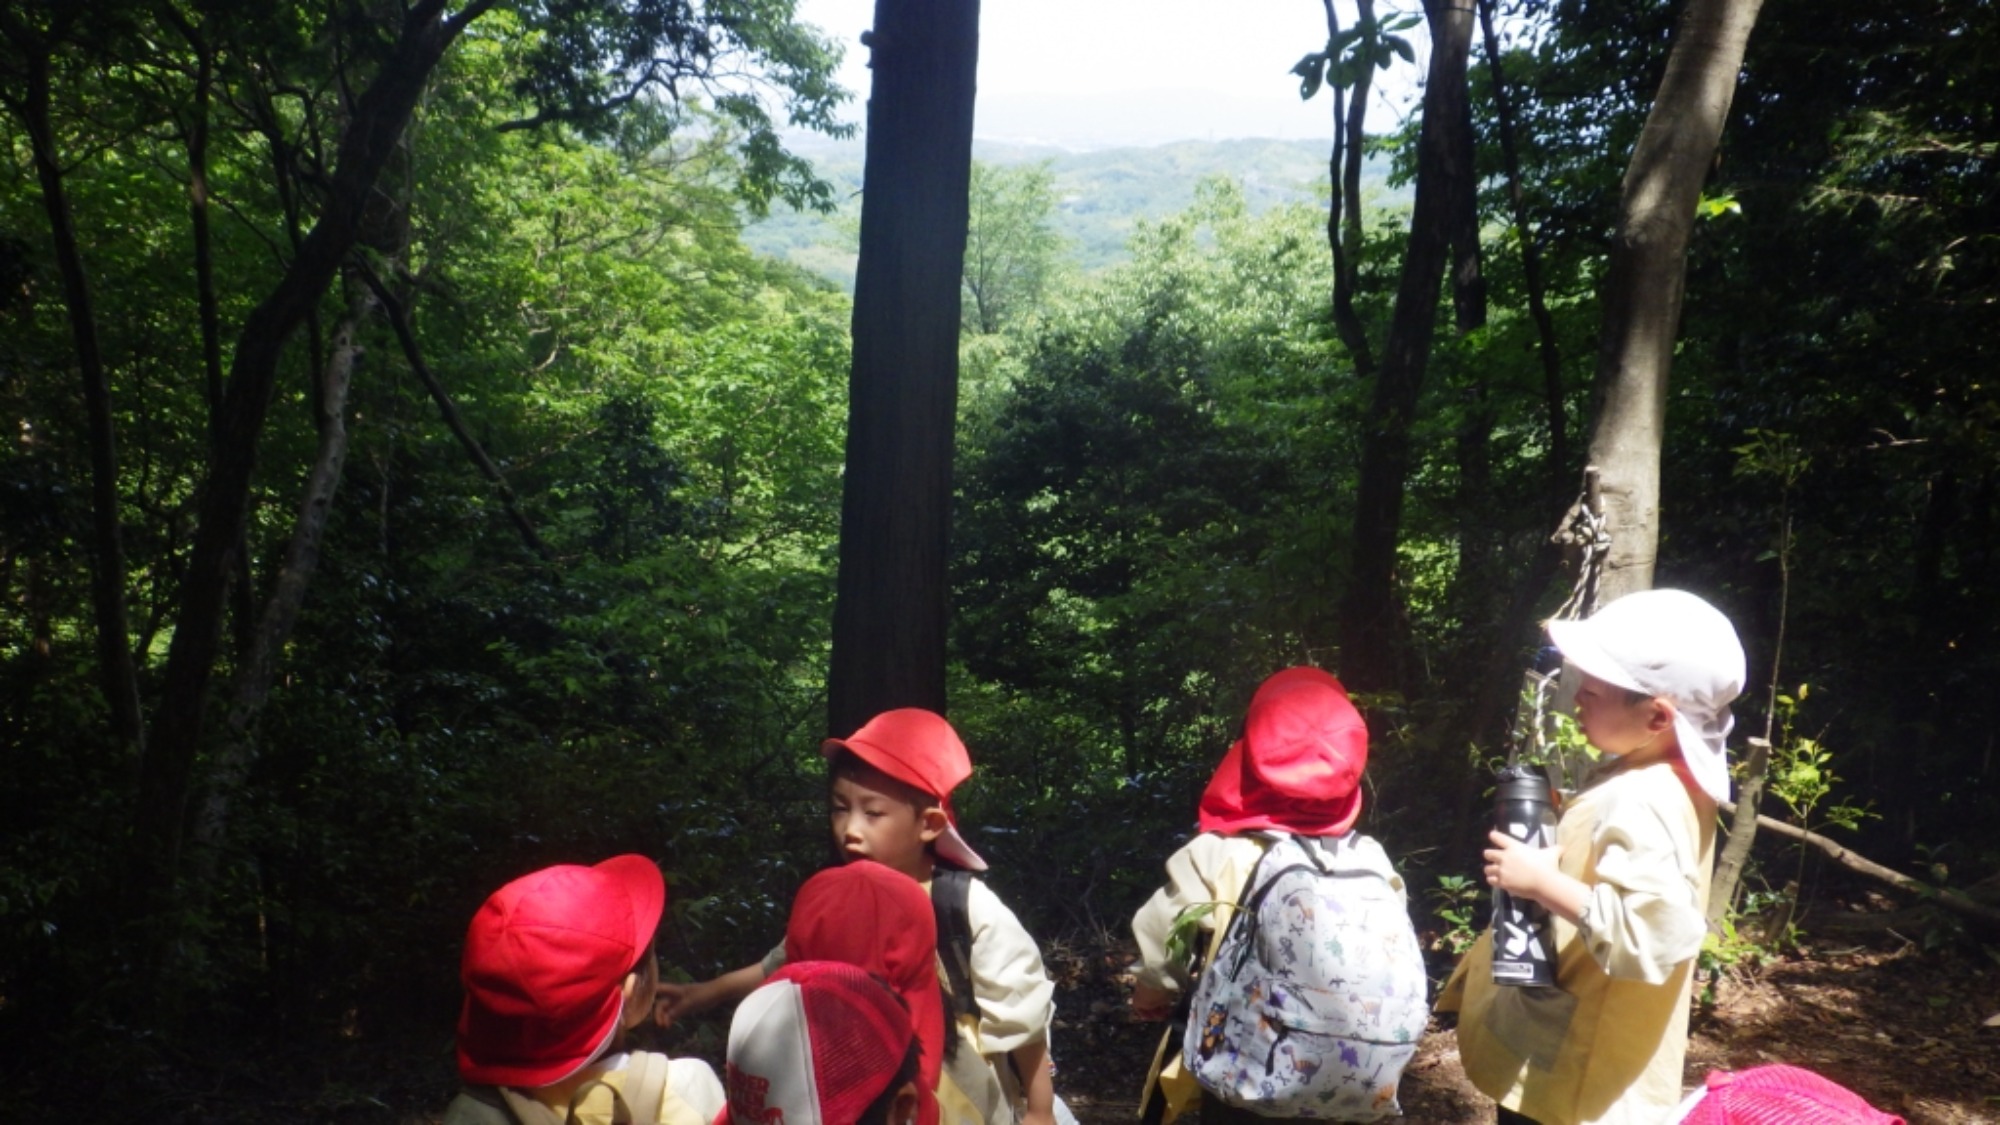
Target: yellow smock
{"points": [[1207, 869], [1606, 1045]]}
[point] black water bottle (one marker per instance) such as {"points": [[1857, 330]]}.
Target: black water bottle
{"points": [[1524, 808]]}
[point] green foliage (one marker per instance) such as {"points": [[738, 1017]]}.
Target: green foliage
{"points": [[1186, 931], [1456, 901]]}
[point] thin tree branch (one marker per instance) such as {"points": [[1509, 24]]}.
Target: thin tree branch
{"points": [[411, 352]]}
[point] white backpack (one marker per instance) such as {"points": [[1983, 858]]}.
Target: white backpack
{"points": [[1316, 996]]}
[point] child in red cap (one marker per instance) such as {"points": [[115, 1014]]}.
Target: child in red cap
{"points": [[1295, 772], [558, 966], [866, 915], [890, 802], [823, 1043]]}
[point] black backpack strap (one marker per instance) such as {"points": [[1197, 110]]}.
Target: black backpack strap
{"points": [[951, 895]]}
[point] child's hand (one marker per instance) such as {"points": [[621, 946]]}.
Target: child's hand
{"points": [[1151, 1003], [1520, 869], [1042, 1117], [675, 1001]]}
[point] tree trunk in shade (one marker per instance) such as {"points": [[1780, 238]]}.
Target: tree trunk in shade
{"points": [[1648, 269], [891, 603]]}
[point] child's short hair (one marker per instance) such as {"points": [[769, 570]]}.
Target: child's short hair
{"points": [[845, 763], [545, 963]]}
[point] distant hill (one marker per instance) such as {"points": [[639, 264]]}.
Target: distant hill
{"points": [[1102, 193]]}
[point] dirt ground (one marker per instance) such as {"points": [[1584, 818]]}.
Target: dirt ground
{"points": [[1917, 1033]]}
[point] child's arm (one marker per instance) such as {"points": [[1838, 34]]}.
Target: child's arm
{"points": [[676, 1001], [1640, 916], [1031, 1063]]}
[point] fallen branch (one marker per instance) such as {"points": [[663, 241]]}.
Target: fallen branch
{"points": [[1853, 861]]}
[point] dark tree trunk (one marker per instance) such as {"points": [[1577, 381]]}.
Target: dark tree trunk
{"points": [[373, 132], [118, 674], [1343, 218], [891, 603], [1370, 624], [1643, 288]]}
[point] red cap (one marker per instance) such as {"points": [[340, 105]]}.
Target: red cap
{"points": [[865, 914], [816, 1044], [1781, 1095], [1297, 767], [920, 749], [545, 964]]}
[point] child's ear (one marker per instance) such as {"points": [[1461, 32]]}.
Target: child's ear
{"points": [[903, 1110], [1662, 716], [933, 823]]}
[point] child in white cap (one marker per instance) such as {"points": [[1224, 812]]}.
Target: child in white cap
{"points": [[1626, 883]]}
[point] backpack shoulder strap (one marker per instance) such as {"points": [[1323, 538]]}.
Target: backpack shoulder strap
{"points": [[951, 903], [645, 1086]]}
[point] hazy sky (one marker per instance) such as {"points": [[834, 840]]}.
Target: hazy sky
{"points": [[1135, 71]]}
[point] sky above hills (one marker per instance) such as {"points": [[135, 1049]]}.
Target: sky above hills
{"points": [[1084, 74]]}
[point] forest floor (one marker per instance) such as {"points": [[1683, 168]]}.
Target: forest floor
{"points": [[1915, 1031]]}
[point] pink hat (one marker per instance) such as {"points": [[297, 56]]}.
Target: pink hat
{"points": [[816, 1044], [1779, 1095], [544, 970], [867, 915], [1297, 767], [919, 749]]}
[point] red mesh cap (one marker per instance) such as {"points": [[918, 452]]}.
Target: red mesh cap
{"points": [[880, 920], [1781, 1095], [1297, 767], [816, 1044], [545, 965], [920, 749]]}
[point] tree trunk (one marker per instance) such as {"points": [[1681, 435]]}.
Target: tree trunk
{"points": [[1370, 626], [118, 674], [252, 684], [1343, 218], [1643, 289], [376, 127], [891, 602]]}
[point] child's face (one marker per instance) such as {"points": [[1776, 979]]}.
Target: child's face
{"points": [[873, 819], [1637, 731]]}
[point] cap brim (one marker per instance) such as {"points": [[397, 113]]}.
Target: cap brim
{"points": [[1577, 641], [641, 879]]}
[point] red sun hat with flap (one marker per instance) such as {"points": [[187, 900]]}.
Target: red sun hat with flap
{"points": [[920, 749], [865, 914], [1297, 767], [544, 970], [816, 1044]]}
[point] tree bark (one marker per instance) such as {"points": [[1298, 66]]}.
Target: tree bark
{"points": [[118, 675], [891, 602], [375, 128], [252, 684], [1370, 624], [1648, 269]]}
